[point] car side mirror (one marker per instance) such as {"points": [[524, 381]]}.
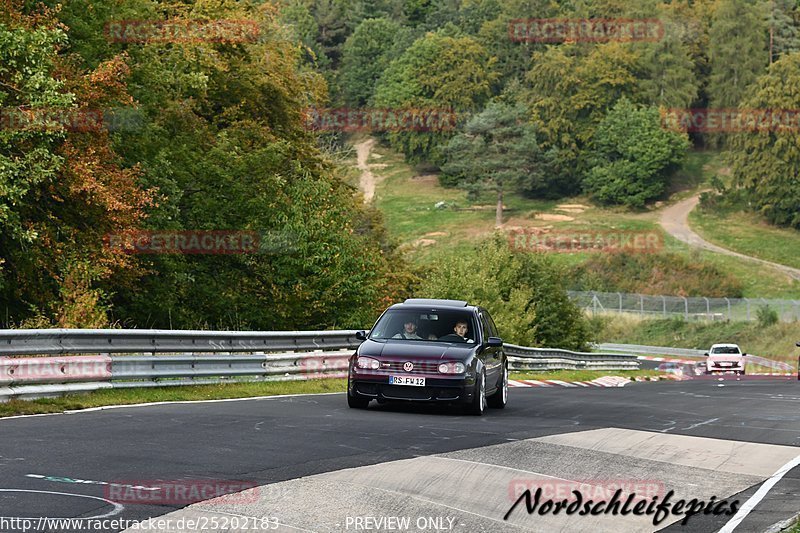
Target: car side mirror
{"points": [[361, 335], [744, 354], [798, 344], [494, 342], [706, 354]]}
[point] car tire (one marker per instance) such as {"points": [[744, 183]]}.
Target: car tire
{"points": [[478, 404], [356, 402], [499, 399]]}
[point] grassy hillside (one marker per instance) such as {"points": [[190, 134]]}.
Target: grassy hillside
{"points": [[408, 199], [748, 234]]}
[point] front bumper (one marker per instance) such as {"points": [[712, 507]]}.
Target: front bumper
{"points": [[438, 388], [724, 367]]}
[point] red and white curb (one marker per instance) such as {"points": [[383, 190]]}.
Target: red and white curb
{"points": [[668, 359], [605, 381], [675, 377]]}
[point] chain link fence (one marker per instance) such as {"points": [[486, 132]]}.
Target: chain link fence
{"points": [[690, 308]]}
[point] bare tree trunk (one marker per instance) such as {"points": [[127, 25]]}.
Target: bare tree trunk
{"points": [[770, 44], [498, 216]]}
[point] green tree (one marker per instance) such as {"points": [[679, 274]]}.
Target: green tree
{"points": [[498, 151], [365, 55], [765, 157], [569, 94], [525, 293], [737, 51], [670, 79], [632, 155], [782, 24], [439, 72], [225, 143], [62, 188]]}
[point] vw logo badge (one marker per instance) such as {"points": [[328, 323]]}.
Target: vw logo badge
{"points": [[408, 366]]}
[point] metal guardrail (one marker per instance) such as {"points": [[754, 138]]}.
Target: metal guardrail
{"points": [[195, 358], [687, 352], [75, 341], [525, 358], [650, 350]]}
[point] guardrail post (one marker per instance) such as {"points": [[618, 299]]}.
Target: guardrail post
{"points": [[685, 308], [747, 301], [729, 308], [708, 308], [641, 305], [620, 302], [664, 305]]}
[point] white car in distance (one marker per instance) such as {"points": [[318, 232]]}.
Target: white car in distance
{"points": [[725, 358]]}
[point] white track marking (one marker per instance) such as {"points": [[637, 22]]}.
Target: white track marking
{"points": [[500, 466], [762, 491], [115, 511]]}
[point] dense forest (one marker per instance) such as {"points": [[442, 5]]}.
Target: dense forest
{"points": [[205, 131]]}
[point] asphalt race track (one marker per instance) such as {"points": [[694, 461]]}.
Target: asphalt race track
{"points": [[320, 466]]}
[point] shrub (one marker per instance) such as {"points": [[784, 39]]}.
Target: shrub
{"points": [[525, 293], [767, 316], [663, 273]]}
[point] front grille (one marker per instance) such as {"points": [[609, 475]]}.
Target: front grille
{"points": [[420, 367], [400, 392]]}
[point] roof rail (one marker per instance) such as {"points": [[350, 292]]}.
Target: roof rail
{"points": [[436, 303]]}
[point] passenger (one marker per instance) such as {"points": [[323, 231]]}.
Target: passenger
{"points": [[461, 328], [409, 330]]}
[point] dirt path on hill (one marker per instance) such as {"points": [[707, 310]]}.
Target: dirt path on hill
{"points": [[367, 181], [675, 221]]}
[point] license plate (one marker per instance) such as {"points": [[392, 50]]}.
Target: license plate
{"points": [[406, 380], [725, 364]]}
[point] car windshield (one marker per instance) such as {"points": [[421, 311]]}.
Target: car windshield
{"points": [[429, 326], [725, 350]]}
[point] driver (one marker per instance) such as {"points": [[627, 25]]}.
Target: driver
{"points": [[409, 330], [461, 328]]}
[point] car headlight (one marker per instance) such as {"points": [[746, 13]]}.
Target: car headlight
{"points": [[368, 363], [452, 368]]}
